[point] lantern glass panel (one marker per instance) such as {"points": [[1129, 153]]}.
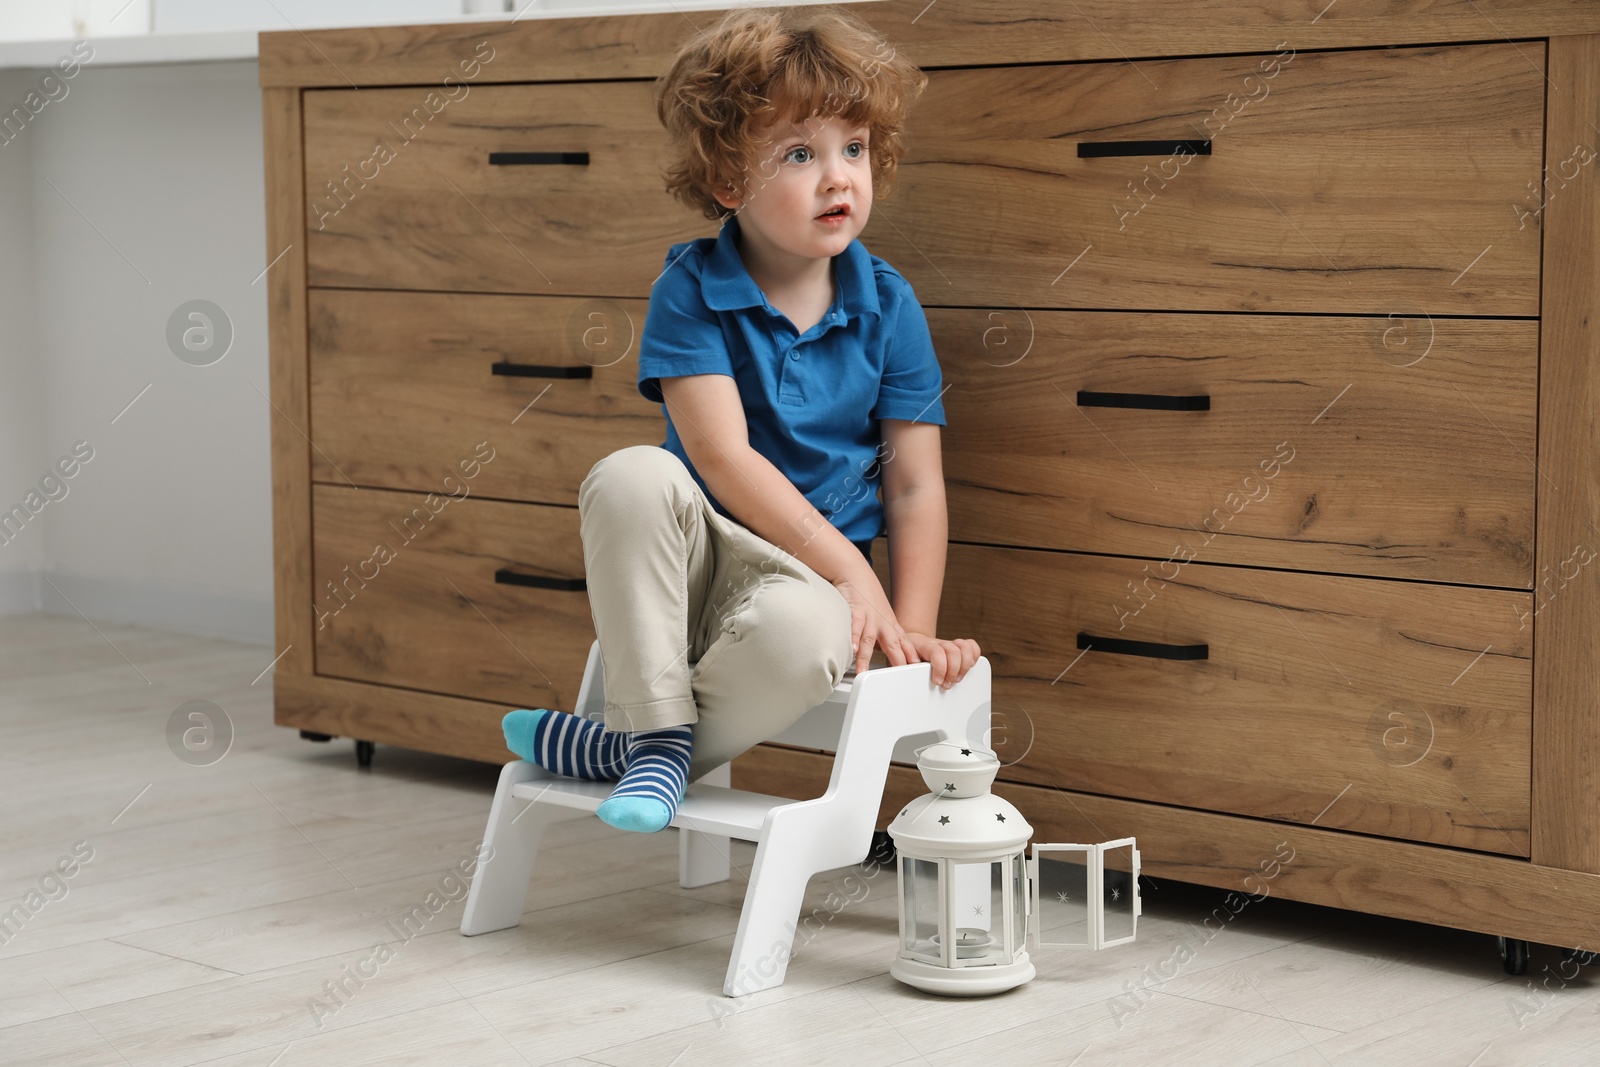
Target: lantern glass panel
{"points": [[1119, 890], [978, 913], [1019, 907], [919, 907], [1062, 885]]}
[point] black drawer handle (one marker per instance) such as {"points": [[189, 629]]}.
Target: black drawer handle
{"points": [[1123, 647], [540, 370], [506, 576], [535, 159], [1153, 401], [1092, 149], [523, 159]]}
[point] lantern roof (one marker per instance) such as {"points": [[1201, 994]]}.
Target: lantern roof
{"points": [[976, 828]]}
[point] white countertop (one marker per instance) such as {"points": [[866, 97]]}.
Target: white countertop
{"points": [[210, 46], [135, 48]]}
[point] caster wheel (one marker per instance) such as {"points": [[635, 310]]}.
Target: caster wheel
{"points": [[1514, 954], [312, 735], [364, 753], [882, 850]]}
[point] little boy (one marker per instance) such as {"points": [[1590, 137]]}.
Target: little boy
{"points": [[794, 368]]}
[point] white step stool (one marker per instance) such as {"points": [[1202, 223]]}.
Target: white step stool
{"points": [[868, 719]]}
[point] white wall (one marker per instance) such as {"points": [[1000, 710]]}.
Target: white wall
{"points": [[147, 191], [21, 420], [34, 19], [195, 15]]}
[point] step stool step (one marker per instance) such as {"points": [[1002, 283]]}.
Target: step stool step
{"points": [[708, 809]]}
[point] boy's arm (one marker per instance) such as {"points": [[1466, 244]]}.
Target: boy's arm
{"points": [[709, 417], [914, 508]]}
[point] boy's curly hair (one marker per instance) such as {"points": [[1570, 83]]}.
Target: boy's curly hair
{"points": [[756, 66]]}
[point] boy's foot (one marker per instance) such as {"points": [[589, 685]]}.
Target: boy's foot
{"points": [[658, 771], [567, 745]]}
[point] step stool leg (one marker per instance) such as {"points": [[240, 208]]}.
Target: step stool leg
{"points": [[798, 841], [500, 883], [704, 859]]}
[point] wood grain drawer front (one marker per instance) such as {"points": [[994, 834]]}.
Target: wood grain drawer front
{"points": [[1390, 446], [405, 387], [1410, 703], [1352, 181], [400, 197], [471, 598]]}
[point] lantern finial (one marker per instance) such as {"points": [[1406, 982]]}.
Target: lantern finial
{"points": [[957, 770]]}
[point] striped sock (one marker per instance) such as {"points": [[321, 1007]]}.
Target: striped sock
{"points": [[566, 744], [658, 771]]}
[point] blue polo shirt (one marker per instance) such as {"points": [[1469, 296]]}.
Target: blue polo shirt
{"points": [[812, 401]]}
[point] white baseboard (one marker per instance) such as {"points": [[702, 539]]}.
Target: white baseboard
{"points": [[162, 605]]}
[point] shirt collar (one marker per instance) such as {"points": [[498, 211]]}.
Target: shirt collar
{"points": [[726, 285]]}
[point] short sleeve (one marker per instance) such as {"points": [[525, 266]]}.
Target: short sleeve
{"points": [[910, 387], [681, 334]]}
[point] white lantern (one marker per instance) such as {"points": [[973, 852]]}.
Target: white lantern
{"points": [[969, 895]]}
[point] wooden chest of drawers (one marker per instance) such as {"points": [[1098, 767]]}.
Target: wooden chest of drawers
{"points": [[1270, 357]]}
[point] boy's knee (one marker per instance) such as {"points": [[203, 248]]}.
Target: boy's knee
{"points": [[809, 631], [635, 461], [803, 638], [629, 473]]}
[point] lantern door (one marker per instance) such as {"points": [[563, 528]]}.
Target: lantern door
{"points": [[1085, 896]]}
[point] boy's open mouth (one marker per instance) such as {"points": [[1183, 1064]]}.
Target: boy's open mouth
{"points": [[835, 212]]}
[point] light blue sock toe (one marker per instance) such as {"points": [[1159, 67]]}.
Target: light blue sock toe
{"points": [[519, 727], [644, 815]]}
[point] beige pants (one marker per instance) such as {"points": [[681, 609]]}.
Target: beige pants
{"points": [[700, 620]]}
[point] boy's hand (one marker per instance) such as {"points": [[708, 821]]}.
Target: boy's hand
{"points": [[950, 660], [872, 622]]}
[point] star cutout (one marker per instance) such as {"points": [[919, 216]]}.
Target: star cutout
{"points": [[943, 819], [977, 909], [1062, 896], [1116, 894], [950, 787], [966, 752], [1002, 818]]}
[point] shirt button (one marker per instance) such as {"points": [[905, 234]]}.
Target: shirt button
{"points": [[795, 356]]}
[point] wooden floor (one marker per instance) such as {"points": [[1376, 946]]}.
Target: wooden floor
{"points": [[249, 913]]}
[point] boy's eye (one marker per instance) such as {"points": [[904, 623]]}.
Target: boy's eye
{"points": [[789, 155]]}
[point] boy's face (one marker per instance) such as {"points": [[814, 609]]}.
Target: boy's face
{"points": [[810, 166]]}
